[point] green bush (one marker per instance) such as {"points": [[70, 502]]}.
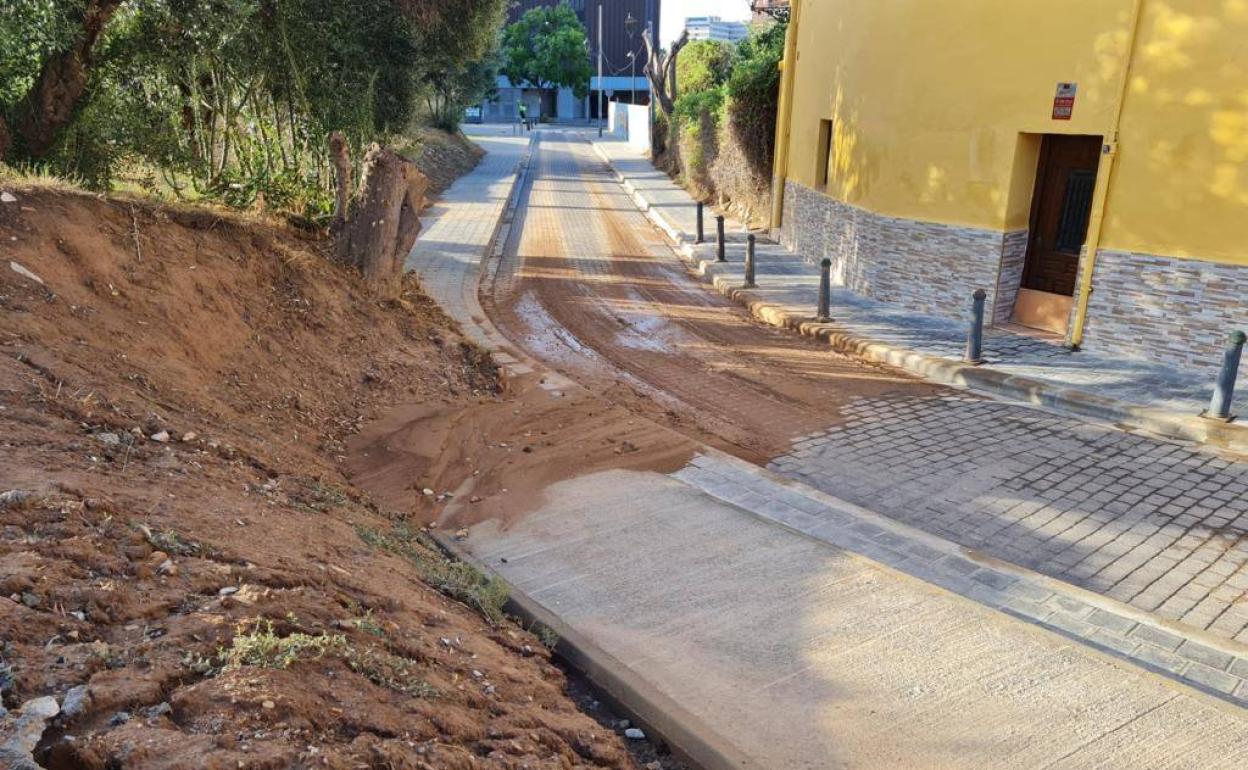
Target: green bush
{"points": [[690, 107], [703, 65], [753, 89]]}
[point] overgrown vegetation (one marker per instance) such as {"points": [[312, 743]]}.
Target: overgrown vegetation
{"points": [[231, 100], [720, 138], [458, 580]]}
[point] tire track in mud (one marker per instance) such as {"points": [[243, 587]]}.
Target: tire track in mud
{"points": [[590, 287]]}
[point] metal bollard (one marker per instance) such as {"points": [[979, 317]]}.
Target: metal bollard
{"points": [[701, 232], [749, 261], [825, 290], [719, 238], [975, 335], [1224, 388]]}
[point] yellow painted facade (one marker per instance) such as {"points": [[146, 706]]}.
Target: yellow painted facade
{"points": [[936, 109]]}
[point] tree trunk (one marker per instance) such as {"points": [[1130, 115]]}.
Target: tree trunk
{"points": [[338, 155], [49, 105], [660, 70], [385, 220], [5, 139]]}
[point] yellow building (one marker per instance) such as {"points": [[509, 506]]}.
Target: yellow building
{"points": [[933, 147]]}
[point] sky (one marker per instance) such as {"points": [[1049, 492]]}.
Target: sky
{"points": [[675, 11]]}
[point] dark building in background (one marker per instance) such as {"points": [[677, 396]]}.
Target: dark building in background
{"points": [[618, 82]]}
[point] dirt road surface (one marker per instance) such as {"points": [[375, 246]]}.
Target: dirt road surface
{"points": [[589, 287]]}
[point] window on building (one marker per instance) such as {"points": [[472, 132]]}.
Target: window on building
{"points": [[825, 154]]}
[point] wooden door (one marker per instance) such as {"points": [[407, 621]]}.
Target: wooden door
{"points": [[1061, 205]]}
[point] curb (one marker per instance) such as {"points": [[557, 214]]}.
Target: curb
{"points": [[659, 716], [945, 371]]}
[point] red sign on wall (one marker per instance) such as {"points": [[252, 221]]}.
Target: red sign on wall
{"points": [[1064, 101]]}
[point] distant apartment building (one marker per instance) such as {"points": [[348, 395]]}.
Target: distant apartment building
{"points": [[715, 28], [623, 57]]}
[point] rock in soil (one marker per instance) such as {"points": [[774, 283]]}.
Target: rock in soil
{"points": [[20, 732]]}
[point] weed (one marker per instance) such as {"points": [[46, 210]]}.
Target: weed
{"points": [[323, 497], [261, 647], [388, 670], [200, 664], [546, 635], [171, 542], [257, 644], [458, 580], [368, 625]]}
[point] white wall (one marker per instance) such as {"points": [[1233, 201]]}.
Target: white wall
{"points": [[631, 123]]}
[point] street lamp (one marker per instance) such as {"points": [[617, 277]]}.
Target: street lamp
{"points": [[630, 24], [632, 83]]}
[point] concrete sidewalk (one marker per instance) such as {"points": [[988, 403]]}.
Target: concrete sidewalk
{"points": [[788, 651], [1132, 392]]}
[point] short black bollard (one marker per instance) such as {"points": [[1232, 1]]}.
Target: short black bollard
{"points": [[1224, 388], [701, 232], [825, 290], [719, 238], [749, 261], [975, 335]]}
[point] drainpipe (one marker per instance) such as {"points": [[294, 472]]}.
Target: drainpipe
{"points": [[1100, 199], [784, 116]]}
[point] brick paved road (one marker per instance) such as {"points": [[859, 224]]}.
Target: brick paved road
{"points": [[1148, 522], [1145, 521]]}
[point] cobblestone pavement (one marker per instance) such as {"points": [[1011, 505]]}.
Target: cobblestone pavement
{"points": [[1148, 522], [792, 282]]}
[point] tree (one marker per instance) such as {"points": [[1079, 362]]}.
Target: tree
{"points": [[547, 48], [65, 54], [661, 69], [463, 70]]}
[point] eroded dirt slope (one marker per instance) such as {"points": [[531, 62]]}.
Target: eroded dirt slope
{"points": [[179, 553]]}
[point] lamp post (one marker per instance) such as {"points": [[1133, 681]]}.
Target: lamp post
{"points": [[630, 24], [632, 81]]}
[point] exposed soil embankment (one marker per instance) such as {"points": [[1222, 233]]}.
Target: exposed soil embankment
{"points": [[176, 540]]}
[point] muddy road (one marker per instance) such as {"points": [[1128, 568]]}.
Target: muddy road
{"points": [[589, 287]]}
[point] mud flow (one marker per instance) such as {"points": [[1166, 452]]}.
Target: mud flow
{"points": [[588, 286]]}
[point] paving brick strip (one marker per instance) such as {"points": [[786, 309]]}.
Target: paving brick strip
{"points": [[467, 226], [1155, 398], [597, 560]]}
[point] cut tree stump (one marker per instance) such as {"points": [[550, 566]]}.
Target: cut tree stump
{"points": [[383, 223]]}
